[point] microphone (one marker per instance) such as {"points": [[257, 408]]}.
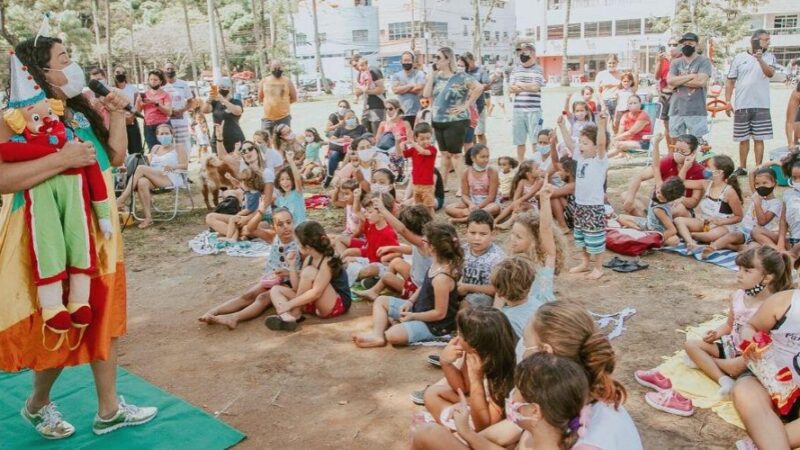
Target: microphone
{"points": [[101, 90]]}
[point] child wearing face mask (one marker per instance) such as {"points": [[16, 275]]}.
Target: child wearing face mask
{"points": [[341, 142], [788, 236], [762, 272], [479, 186]]}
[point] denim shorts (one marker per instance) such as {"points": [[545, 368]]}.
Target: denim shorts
{"points": [[697, 126], [525, 125], [416, 330]]}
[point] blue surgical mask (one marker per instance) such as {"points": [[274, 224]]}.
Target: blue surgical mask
{"points": [[707, 174], [164, 139], [543, 149], [350, 123], [479, 168]]}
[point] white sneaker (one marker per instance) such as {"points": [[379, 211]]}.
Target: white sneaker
{"points": [[126, 416], [48, 422]]}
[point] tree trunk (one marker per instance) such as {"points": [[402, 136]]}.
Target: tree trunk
{"points": [[264, 45], [10, 37], [477, 38], [257, 22], [565, 40], [294, 38], [109, 67], [135, 67], [98, 49], [317, 55], [222, 41], [191, 46]]}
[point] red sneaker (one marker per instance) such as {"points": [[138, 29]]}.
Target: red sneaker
{"points": [[670, 402], [653, 379]]}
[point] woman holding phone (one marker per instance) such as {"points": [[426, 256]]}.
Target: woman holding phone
{"points": [[156, 106]]}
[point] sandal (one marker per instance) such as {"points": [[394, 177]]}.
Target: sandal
{"points": [[614, 262], [630, 266], [275, 323]]}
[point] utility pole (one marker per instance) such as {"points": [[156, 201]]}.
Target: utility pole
{"points": [[425, 29], [478, 36], [133, 47], [215, 69], [413, 28], [109, 69], [258, 31], [294, 38]]}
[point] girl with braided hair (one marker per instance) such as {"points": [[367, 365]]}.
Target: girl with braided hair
{"points": [[320, 288]]}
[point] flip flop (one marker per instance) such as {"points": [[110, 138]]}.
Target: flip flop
{"points": [[275, 323], [630, 266], [614, 262]]}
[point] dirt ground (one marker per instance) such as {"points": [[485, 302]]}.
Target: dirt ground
{"points": [[314, 389]]}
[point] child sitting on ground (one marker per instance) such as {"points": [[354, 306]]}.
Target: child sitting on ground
{"points": [[321, 287], [525, 186], [590, 223], [659, 210], [431, 312], [789, 230], [242, 224], [761, 219], [505, 176], [257, 299], [512, 280], [479, 186], [423, 160], [548, 401], [312, 171], [477, 364], [402, 277], [762, 272], [344, 197], [361, 255], [481, 255]]}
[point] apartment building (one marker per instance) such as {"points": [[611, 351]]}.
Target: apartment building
{"points": [[598, 28]]}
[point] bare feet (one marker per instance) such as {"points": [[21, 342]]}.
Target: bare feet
{"points": [[367, 294], [595, 274], [707, 251], [226, 320], [145, 223], [206, 318], [580, 268], [368, 340]]}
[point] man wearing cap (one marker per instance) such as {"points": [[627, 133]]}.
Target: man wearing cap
{"points": [[688, 77], [181, 95], [525, 85], [276, 92], [749, 75]]}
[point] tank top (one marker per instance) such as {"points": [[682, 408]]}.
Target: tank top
{"points": [[339, 283], [715, 208], [527, 190], [426, 302], [786, 337], [159, 161], [741, 315], [276, 97], [478, 182]]}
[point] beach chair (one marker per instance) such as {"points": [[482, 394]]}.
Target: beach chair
{"points": [[161, 214], [653, 110]]}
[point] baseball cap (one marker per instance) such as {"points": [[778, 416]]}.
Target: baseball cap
{"points": [[525, 46], [689, 37]]}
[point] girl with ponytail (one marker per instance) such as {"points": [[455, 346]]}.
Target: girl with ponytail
{"points": [[721, 206], [320, 288]]}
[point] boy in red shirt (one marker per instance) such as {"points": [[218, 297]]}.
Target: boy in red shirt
{"points": [[361, 256], [423, 158]]}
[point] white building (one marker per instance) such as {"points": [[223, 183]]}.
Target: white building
{"points": [[345, 27], [598, 28]]}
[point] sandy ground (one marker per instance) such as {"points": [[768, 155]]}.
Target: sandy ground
{"points": [[314, 389]]}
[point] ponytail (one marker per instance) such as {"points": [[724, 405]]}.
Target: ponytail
{"points": [[725, 164], [790, 161], [597, 357], [312, 234]]}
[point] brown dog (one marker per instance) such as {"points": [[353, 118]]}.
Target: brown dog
{"points": [[214, 175]]}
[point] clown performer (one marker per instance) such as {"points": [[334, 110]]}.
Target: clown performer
{"points": [[56, 209], [50, 67]]}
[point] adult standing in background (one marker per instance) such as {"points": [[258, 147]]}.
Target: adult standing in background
{"points": [[156, 106], [407, 85], [749, 75], [131, 122], [451, 93], [664, 59], [182, 96], [482, 77], [225, 111], [276, 92], [688, 77], [607, 83], [496, 90], [526, 84], [371, 86], [793, 118]]}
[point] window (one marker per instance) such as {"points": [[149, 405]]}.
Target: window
{"points": [[323, 37], [651, 22], [301, 38], [785, 24], [439, 29], [574, 30], [629, 27], [597, 29], [487, 35], [496, 35], [466, 31], [360, 35], [555, 32], [399, 30], [362, 3], [505, 34], [785, 55]]}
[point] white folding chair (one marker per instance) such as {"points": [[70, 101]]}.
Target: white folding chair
{"points": [[165, 215], [653, 110]]}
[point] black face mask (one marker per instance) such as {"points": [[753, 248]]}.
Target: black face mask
{"points": [[687, 50], [170, 73], [765, 190], [224, 92], [121, 77], [277, 73], [407, 66], [435, 66], [524, 58]]}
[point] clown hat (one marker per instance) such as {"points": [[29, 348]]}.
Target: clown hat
{"points": [[24, 90]]}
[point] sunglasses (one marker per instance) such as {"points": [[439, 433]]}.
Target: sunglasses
{"points": [[672, 44], [391, 109], [684, 153], [436, 57], [246, 150]]}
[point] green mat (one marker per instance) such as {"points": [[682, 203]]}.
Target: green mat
{"points": [[177, 425]]}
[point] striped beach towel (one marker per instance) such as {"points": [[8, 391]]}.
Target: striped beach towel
{"points": [[723, 258]]}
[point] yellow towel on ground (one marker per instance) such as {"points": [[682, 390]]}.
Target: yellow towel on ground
{"points": [[693, 383]]}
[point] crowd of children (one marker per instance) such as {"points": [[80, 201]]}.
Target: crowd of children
{"points": [[519, 366]]}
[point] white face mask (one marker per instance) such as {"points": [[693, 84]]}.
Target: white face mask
{"points": [[795, 185], [309, 139], [366, 154], [76, 80], [381, 188]]}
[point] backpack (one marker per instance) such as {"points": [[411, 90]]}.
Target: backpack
{"points": [[630, 242], [229, 205]]}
